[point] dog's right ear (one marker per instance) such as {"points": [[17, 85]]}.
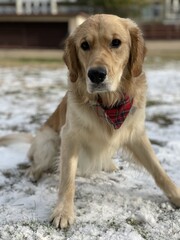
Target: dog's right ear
{"points": [[71, 58]]}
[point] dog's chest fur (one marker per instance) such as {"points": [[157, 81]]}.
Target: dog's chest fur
{"points": [[98, 140]]}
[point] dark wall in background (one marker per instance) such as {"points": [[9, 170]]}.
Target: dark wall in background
{"points": [[161, 31], [33, 34]]}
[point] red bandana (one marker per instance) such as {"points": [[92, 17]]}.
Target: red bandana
{"points": [[116, 114]]}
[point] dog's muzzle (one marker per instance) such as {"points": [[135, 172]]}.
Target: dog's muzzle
{"points": [[97, 75]]}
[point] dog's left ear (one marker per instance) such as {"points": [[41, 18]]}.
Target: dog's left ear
{"points": [[138, 49], [71, 58]]}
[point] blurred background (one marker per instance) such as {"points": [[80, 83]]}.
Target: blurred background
{"points": [[45, 24]]}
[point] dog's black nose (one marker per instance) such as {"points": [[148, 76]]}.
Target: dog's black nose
{"points": [[97, 75]]}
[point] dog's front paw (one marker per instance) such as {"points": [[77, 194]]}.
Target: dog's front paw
{"points": [[63, 216], [175, 198]]}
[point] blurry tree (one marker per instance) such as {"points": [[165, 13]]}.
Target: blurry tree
{"points": [[120, 7]]}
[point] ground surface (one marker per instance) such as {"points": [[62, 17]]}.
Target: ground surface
{"points": [[125, 205]]}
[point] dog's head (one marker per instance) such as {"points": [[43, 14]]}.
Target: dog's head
{"points": [[102, 49]]}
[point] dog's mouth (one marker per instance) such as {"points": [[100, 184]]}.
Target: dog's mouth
{"points": [[97, 88], [98, 80]]}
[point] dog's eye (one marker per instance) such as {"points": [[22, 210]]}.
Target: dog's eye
{"points": [[115, 43], [85, 46]]}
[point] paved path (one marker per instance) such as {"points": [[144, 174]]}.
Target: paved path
{"points": [[164, 48]]}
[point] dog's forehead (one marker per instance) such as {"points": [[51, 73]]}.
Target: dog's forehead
{"points": [[104, 26]]}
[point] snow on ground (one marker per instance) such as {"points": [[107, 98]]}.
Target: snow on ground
{"points": [[124, 205]]}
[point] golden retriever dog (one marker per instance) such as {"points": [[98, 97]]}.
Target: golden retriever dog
{"points": [[102, 111]]}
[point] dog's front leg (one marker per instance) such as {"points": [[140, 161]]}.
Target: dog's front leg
{"points": [[144, 154], [63, 214]]}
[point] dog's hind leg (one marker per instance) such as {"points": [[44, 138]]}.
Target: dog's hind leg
{"points": [[45, 147], [43, 152]]}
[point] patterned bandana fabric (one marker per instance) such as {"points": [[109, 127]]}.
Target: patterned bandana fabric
{"points": [[117, 114]]}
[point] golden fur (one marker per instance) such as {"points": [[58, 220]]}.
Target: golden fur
{"points": [[88, 141]]}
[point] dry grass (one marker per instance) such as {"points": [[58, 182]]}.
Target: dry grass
{"points": [[31, 57]]}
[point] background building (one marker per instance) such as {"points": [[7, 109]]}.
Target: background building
{"points": [[161, 19], [35, 24], [46, 23]]}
